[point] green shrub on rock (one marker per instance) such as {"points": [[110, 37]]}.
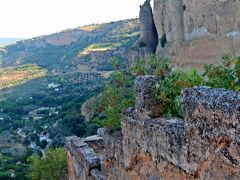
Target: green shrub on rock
{"points": [[119, 93]]}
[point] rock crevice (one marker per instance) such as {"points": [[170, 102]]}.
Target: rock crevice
{"points": [[148, 42]]}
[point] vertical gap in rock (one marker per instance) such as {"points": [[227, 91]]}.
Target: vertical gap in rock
{"points": [[163, 39], [155, 34]]}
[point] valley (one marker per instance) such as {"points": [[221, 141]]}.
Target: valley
{"points": [[45, 80]]}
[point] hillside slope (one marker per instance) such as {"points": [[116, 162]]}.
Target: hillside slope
{"points": [[66, 48], [7, 41]]}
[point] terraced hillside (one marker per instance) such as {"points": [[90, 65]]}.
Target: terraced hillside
{"points": [[74, 47], [10, 77]]}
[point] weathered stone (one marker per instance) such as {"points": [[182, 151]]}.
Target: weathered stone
{"points": [[191, 32], [86, 109], [198, 32], [147, 27], [205, 145], [213, 132], [98, 175], [82, 155], [146, 102], [148, 41], [101, 132]]}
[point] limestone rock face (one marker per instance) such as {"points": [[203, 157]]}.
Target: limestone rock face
{"points": [[198, 32], [146, 103], [191, 32], [147, 44], [206, 145], [82, 159], [213, 132], [87, 109], [147, 26]]}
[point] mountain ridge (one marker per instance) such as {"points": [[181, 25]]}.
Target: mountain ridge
{"points": [[7, 41], [62, 49]]}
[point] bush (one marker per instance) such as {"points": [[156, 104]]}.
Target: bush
{"points": [[224, 75], [169, 89], [118, 94], [139, 68], [159, 66], [43, 144], [52, 166]]}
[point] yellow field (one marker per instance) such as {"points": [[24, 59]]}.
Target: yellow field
{"points": [[10, 77]]}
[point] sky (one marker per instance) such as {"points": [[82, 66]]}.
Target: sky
{"points": [[31, 18]]}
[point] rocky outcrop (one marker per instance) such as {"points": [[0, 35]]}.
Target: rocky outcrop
{"points": [[194, 33], [82, 161], [198, 32], [88, 109], [148, 41], [147, 27], [205, 145]]}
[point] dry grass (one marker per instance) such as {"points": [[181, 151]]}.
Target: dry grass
{"points": [[10, 77], [90, 28], [99, 48]]}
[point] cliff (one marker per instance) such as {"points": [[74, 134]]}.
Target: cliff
{"points": [[204, 145], [148, 42], [194, 32]]}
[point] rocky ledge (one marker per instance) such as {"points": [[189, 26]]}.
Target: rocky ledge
{"points": [[205, 145]]}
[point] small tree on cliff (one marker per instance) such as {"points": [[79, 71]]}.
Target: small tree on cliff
{"points": [[118, 95]]}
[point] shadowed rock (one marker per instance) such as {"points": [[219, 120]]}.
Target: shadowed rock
{"points": [[148, 41], [148, 30]]}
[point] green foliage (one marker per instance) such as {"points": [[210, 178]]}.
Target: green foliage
{"points": [[116, 96], [16, 165], [159, 66], [224, 75], [169, 89], [52, 166], [43, 144], [139, 68]]}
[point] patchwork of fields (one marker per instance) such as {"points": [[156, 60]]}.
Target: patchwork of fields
{"points": [[13, 76]]}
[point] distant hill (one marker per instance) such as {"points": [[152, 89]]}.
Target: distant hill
{"points": [[91, 46], [7, 41]]}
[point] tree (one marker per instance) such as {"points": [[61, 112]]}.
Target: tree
{"points": [[52, 166], [43, 144]]}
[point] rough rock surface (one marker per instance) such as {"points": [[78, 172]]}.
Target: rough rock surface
{"points": [[205, 145], [213, 132], [147, 44], [147, 26], [146, 103], [83, 159], [87, 108], [196, 32]]}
